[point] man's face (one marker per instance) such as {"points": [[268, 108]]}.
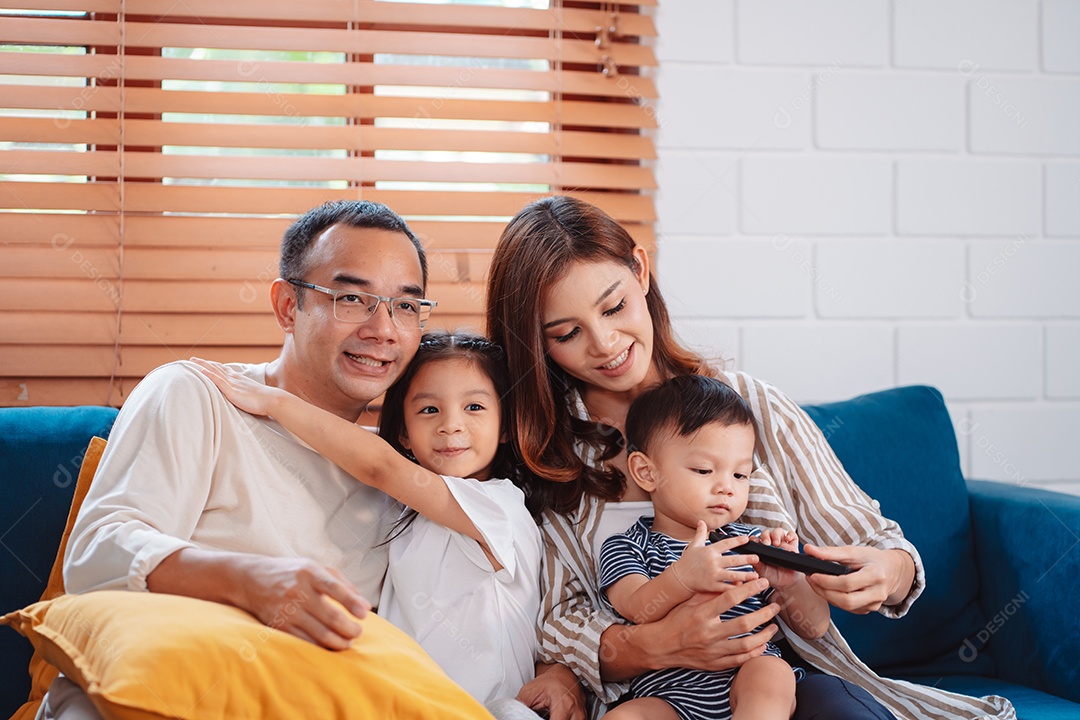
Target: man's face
{"points": [[343, 366]]}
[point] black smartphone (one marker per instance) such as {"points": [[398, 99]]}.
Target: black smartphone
{"points": [[785, 558]]}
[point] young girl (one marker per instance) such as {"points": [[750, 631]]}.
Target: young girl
{"points": [[463, 577], [691, 442]]}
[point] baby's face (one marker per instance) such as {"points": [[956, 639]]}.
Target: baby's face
{"points": [[701, 476]]}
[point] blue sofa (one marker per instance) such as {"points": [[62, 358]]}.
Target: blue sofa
{"points": [[1001, 560]]}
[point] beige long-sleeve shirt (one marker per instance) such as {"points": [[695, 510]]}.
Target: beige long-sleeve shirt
{"points": [[184, 468], [803, 488]]}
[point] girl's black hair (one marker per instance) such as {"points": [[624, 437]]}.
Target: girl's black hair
{"points": [[438, 345]]}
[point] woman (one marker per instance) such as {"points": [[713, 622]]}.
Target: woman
{"points": [[585, 328]]}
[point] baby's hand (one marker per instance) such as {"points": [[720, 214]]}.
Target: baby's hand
{"points": [[778, 537], [778, 577], [243, 392], [705, 568]]}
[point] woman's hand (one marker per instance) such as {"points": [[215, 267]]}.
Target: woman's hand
{"points": [[243, 392], [778, 577], [881, 577], [555, 689]]}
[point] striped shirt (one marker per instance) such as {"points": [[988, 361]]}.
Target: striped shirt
{"points": [[800, 486]]}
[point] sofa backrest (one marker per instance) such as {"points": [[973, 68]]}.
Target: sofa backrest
{"points": [[41, 450], [900, 447]]}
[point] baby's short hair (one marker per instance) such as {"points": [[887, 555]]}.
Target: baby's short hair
{"points": [[683, 404]]}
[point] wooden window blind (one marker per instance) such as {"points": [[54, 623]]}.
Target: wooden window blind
{"points": [[153, 152]]}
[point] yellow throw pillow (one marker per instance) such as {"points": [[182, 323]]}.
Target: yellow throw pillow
{"points": [[148, 655], [41, 673]]}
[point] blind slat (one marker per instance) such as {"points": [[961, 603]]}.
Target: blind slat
{"points": [[367, 106], [59, 196], [369, 139], [136, 360], [63, 232], [567, 20], [154, 165], [61, 391], [366, 73], [60, 130], [176, 198], [60, 232], [211, 263], [212, 297], [62, 163]]}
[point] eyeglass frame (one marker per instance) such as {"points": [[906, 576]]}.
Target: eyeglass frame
{"points": [[379, 300]]}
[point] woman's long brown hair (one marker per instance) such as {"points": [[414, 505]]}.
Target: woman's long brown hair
{"points": [[536, 249]]}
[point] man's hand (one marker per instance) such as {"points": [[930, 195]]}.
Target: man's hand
{"points": [[297, 596], [692, 635], [556, 689]]}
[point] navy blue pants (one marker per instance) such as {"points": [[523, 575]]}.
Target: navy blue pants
{"points": [[824, 697], [819, 696]]}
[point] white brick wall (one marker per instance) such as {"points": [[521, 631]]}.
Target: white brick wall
{"points": [[995, 34], [1062, 200], [818, 362], [815, 195], [1020, 278], [859, 194], [776, 33], [1061, 52], [972, 362], [889, 279], [709, 274], [866, 111], [1025, 115], [967, 196], [1062, 360]]}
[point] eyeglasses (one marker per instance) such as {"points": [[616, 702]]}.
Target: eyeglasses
{"points": [[353, 306]]}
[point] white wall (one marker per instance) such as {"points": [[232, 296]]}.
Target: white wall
{"points": [[859, 194]]}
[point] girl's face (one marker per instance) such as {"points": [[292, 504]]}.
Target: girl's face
{"points": [[597, 326], [452, 419]]}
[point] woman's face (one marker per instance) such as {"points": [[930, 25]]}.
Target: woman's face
{"points": [[596, 324]]}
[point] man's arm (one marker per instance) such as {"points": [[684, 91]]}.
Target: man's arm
{"points": [[289, 594], [692, 635], [151, 489]]}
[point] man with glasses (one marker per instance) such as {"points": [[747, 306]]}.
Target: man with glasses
{"points": [[194, 497]]}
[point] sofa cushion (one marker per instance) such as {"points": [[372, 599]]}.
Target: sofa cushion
{"points": [[41, 451], [152, 655], [1029, 703], [900, 447]]}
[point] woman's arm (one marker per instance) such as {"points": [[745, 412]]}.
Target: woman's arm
{"points": [[359, 452], [804, 611], [832, 514]]}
